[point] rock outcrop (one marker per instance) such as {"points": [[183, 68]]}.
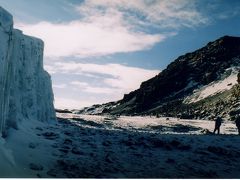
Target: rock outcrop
{"points": [[194, 85], [186, 73], [25, 88]]}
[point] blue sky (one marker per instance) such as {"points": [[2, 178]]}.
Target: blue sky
{"points": [[98, 50]]}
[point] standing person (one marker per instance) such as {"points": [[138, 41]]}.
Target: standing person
{"points": [[237, 121], [218, 123]]}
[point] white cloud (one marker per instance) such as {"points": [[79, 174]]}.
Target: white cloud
{"points": [[122, 77], [103, 36], [108, 83], [107, 27], [60, 86], [85, 87], [162, 13], [103, 83], [79, 84]]}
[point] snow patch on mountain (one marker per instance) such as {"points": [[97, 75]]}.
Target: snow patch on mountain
{"points": [[227, 80], [97, 109]]}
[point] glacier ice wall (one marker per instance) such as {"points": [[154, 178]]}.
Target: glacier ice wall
{"points": [[25, 88]]}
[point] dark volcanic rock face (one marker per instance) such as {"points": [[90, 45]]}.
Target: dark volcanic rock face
{"points": [[198, 68]]}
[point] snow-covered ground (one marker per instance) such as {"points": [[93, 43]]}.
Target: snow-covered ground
{"points": [[120, 147], [163, 125]]}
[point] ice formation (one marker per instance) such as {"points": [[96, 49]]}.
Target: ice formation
{"points": [[25, 88]]}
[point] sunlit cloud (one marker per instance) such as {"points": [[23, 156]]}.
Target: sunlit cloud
{"points": [[106, 27], [123, 77], [85, 87], [59, 86], [161, 13], [113, 81], [87, 39]]}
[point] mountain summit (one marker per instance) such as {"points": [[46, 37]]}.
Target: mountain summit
{"points": [[188, 81]]}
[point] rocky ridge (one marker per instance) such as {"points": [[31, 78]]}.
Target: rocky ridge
{"points": [[166, 94]]}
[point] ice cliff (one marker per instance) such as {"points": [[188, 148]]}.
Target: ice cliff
{"points": [[25, 88]]}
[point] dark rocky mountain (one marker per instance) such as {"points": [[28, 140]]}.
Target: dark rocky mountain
{"points": [[166, 93]]}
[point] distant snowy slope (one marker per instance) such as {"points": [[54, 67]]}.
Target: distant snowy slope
{"points": [[25, 88], [226, 82]]}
